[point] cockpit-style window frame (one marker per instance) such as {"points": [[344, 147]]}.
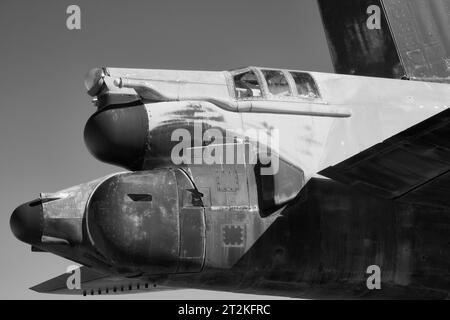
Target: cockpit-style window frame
{"points": [[243, 85], [305, 85], [276, 83], [307, 89]]}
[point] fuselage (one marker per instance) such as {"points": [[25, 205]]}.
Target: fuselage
{"points": [[337, 118]]}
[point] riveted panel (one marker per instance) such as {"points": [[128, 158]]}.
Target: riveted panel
{"points": [[227, 179], [192, 239], [233, 235]]}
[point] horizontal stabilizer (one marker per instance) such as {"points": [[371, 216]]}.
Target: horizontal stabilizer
{"points": [[412, 166], [96, 283]]}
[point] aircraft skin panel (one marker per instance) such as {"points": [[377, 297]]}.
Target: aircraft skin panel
{"points": [[389, 38], [177, 83], [412, 166], [285, 233], [321, 244], [355, 49], [318, 246], [380, 108], [204, 77], [421, 31], [93, 282]]}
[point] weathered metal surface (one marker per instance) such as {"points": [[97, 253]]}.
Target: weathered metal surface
{"points": [[356, 49], [192, 239], [64, 212], [331, 235], [228, 202], [389, 38], [194, 118], [136, 235], [380, 108], [321, 245], [118, 135], [192, 225], [421, 32], [148, 93], [177, 84], [227, 226], [233, 219], [412, 166], [98, 283]]}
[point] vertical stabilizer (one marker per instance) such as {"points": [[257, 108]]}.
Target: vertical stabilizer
{"points": [[389, 38]]}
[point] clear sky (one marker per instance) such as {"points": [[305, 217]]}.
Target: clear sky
{"points": [[44, 105]]}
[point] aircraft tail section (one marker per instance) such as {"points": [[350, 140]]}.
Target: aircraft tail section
{"points": [[389, 38]]}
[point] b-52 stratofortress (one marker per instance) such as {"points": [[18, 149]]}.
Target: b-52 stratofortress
{"points": [[270, 181]]}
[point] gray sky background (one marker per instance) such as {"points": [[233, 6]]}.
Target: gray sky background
{"points": [[44, 105]]}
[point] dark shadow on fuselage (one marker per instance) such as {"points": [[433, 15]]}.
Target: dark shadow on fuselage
{"points": [[322, 244]]}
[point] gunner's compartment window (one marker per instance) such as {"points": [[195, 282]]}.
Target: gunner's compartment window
{"points": [[246, 85], [306, 86], [277, 83]]}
